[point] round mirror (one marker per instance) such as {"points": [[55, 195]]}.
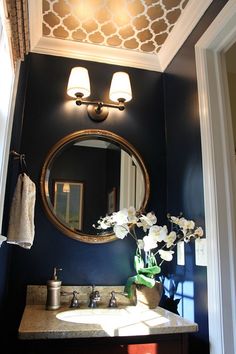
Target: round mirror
{"points": [[88, 174]]}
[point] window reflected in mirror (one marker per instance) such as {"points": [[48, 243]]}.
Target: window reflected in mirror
{"points": [[68, 203]]}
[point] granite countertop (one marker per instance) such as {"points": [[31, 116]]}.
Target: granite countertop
{"points": [[127, 320]]}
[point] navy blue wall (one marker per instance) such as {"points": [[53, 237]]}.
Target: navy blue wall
{"points": [[49, 115], [184, 172]]}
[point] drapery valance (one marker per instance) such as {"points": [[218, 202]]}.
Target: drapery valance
{"points": [[19, 23]]}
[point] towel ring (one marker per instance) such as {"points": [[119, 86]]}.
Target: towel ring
{"points": [[21, 158]]}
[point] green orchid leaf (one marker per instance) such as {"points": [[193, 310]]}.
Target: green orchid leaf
{"points": [[150, 270], [138, 279], [138, 262], [152, 262], [128, 286], [143, 280]]}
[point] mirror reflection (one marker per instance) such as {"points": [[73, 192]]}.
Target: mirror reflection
{"points": [[68, 203], [87, 175]]}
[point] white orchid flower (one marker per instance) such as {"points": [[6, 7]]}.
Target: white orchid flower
{"points": [[104, 223], [183, 223], [149, 243], [175, 220], [158, 232], [120, 217], [132, 218], [186, 224], [170, 239], [146, 221], [125, 221], [152, 218], [190, 224], [166, 255], [198, 232], [121, 231], [131, 211]]}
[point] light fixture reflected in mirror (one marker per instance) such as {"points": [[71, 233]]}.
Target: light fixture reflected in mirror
{"points": [[79, 88], [66, 188]]}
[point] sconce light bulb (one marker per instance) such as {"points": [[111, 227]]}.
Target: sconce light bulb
{"points": [[120, 87], [78, 84]]}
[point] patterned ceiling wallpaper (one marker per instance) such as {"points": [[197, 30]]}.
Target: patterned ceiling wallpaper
{"points": [[140, 25]]}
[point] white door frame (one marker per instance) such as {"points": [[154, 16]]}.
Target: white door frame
{"points": [[218, 178], [8, 105]]}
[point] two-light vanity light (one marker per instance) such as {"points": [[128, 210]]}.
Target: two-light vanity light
{"points": [[79, 88]]}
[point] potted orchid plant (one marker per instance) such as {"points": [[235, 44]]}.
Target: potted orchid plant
{"points": [[156, 244]]}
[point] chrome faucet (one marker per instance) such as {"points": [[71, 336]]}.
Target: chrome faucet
{"points": [[112, 301], [94, 298], [74, 301]]}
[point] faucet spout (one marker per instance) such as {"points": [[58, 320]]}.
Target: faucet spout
{"points": [[94, 298], [74, 300]]}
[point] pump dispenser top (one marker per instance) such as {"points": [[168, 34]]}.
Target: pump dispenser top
{"points": [[54, 291], [55, 269]]}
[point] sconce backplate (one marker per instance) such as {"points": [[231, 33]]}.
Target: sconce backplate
{"points": [[96, 113]]}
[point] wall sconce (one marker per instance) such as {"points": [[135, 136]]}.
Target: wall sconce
{"points": [[79, 88]]}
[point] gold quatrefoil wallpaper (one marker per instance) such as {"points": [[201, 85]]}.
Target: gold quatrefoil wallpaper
{"points": [[140, 25]]}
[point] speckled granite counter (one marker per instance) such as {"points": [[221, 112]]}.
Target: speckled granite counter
{"points": [[37, 323]]}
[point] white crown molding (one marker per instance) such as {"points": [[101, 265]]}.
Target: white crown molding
{"points": [[182, 29], [92, 52], [35, 22], [97, 53]]}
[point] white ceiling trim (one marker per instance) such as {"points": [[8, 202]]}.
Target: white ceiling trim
{"points": [[35, 22], [92, 52], [97, 53]]}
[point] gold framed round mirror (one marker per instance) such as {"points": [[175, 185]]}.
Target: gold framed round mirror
{"points": [[88, 174]]}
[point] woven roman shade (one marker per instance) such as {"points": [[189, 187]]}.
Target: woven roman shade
{"points": [[19, 23]]}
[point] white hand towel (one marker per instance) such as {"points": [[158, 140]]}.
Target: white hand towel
{"points": [[21, 223]]}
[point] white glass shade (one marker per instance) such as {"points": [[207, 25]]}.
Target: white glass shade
{"points": [[78, 82], [66, 188], [120, 87]]}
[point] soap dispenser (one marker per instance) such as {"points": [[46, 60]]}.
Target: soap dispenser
{"points": [[53, 291]]}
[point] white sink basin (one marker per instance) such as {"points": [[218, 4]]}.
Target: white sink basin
{"points": [[93, 316], [130, 320]]}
